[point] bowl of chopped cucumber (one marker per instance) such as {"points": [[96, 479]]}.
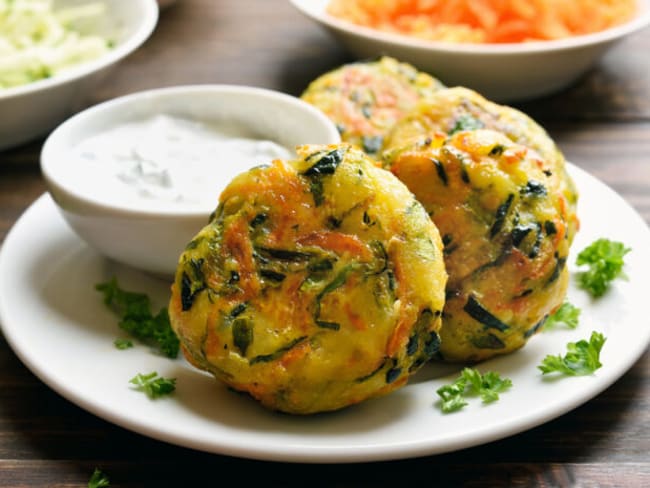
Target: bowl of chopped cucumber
{"points": [[54, 52]]}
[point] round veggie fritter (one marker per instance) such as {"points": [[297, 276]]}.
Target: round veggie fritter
{"points": [[507, 227], [365, 99], [317, 284]]}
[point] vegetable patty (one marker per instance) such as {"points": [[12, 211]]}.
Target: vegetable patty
{"points": [[317, 284], [365, 99], [507, 226]]}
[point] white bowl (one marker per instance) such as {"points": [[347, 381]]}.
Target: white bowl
{"points": [[504, 72], [31, 110], [151, 237]]}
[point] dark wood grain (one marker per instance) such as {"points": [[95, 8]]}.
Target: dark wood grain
{"points": [[602, 124]]}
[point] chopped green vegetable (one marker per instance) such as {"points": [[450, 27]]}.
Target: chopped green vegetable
{"points": [[487, 341], [258, 220], [326, 164], [283, 254], [567, 315], [338, 281], [192, 282], [475, 310], [153, 385], [466, 122], [372, 144], [37, 42], [392, 374], [582, 358], [123, 343], [317, 190], [534, 188], [136, 318], [238, 309], [274, 276], [98, 480], [519, 233], [242, 334], [500, 216], [372, 373], [328, 325], [605, 261], [265, 358], [487, 386]]}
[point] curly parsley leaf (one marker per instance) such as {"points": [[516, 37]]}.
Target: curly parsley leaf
{"points": [[98, 480], [472, 382], [123, 344], [491, 385], [153, 385], [567, 315], [582, 358], [136, 318], [605, 261], [452, 396]]}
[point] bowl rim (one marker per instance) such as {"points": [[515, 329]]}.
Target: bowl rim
{"points": [[144, 30], [52, 147], [314, 9]]}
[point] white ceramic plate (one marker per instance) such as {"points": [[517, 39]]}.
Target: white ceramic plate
{"points": [[57, 324], [503, 72]]}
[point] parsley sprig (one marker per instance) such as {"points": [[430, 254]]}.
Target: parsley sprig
{"points": [[605, 260], [487, 386], [582, 357], [98, 480], [152, 385], [136, 318], [568, 315], [123, 344]]}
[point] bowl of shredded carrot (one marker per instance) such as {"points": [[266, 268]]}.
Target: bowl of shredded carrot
{"points": [[508, 50]]}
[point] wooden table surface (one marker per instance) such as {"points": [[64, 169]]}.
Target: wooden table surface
{"points": [[602, 124]]}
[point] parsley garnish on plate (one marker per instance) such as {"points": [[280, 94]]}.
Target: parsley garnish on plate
{"points": [[487, 386], [123, 344], [567, 315], [605, 260], [136, 318], [582, 358], [152, 385], [98, 480]]}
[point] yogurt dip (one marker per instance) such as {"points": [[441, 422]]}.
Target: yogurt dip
{"points": [[166, 162]]}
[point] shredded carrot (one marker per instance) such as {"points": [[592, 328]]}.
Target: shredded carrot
{"points": [[237, 245], [337, 242], [486, 21]]}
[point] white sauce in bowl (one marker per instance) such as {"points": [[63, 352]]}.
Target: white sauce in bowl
{"points": [[166, 162]]}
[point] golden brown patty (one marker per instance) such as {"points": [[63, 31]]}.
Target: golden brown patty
{"points": [[365, 99], [318, 283], [507, 226]]}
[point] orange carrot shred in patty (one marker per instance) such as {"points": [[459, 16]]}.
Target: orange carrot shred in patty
{"points": [[486, 21]]}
